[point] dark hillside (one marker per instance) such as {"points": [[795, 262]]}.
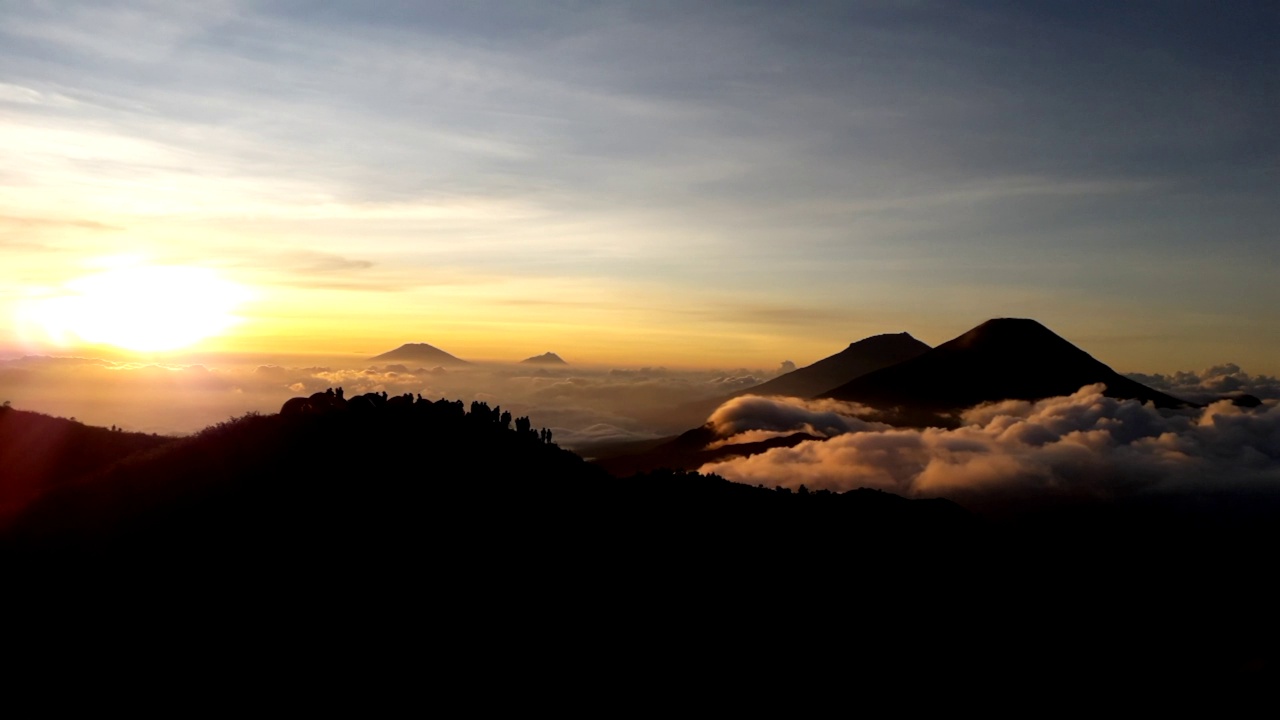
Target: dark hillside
{"points": [[403, 477], [39, 453], [454, 531], [259, 482]]}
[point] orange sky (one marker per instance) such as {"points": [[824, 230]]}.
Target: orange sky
{"points": [[685, 188]]}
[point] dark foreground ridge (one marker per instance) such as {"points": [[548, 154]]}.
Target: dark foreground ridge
{"points": [[39, 453], [353, 470], [469, 532]]}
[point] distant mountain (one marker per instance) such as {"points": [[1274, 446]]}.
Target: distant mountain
{"points": [[421, 353], [548, 358], [1001, 359], [858, 359]]}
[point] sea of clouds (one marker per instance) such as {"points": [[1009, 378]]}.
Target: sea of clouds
{"points": [[1085, 446]]}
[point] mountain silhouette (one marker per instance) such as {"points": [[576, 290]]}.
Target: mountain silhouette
{"points": [[548, 358], [1001, 359], [858, 359], [421, 352], [383, 485]]}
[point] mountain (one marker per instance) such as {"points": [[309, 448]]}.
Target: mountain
{"points": [[421, 353], [381, 486], [548, 358], [1001, 359], [858, 359]]}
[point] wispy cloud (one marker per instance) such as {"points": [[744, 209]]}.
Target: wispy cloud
{"points": [[702, 153]]}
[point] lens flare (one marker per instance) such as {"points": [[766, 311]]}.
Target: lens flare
{"points": [[144, 308]]}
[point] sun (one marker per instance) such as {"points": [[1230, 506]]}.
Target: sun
{"points": [[144, 308]]}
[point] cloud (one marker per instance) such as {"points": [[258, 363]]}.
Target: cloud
{"points": [[786, 415], [324, 262], [41, 223], [643, 147], [1085, 446], [1212, 383]]}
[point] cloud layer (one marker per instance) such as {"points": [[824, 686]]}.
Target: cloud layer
{"points": [[1085, 446], [1213, 383]]}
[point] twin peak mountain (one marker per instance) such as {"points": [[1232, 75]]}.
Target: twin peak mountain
{"points": [[1001, 359], [909, 384]]}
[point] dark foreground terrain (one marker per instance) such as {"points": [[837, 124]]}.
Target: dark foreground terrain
{"points": [[464, 537]]}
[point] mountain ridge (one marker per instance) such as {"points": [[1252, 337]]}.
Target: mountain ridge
{"points": [[1000, 359]]}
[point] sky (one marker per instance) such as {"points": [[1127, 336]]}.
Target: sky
{"points": [[694, 185]]}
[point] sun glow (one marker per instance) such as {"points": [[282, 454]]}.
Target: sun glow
{"points": [[144, 308]]}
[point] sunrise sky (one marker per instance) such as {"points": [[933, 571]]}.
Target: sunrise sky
{"points": [[691, 184]]}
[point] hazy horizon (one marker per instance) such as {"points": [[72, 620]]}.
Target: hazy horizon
{"points": [[586, 403]]}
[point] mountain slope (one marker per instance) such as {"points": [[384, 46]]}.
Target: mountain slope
{"points": [[39, 453], [1001, 359], [858, 359]]}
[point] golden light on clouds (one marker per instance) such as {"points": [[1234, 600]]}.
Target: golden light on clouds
{"points": [[138, 307]]}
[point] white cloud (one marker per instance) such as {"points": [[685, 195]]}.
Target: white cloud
{"points": [[1083, 446]]}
